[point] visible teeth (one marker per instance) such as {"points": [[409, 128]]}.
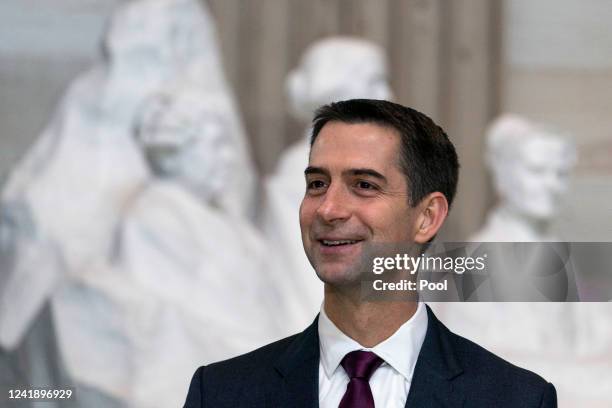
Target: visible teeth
{"points": [[341, 242]]}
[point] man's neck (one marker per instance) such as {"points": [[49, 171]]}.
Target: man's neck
{"points": [[368, 323]]}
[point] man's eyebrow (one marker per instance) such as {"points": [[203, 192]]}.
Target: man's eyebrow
{"points": [[315, 170], [366, 172], [351, 172]]}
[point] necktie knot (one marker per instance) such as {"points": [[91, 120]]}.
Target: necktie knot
{"points": [[361, 364]]}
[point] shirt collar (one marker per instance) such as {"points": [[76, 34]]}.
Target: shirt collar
{"points": [[400, 351]]}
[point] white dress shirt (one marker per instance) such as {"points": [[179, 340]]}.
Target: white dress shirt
{"points": [[390, 383]]}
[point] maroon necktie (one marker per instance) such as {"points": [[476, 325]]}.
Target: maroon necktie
{"points": [[359, 366]]}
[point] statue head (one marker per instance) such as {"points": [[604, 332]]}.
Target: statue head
{"points": [[335, 69], [530, 165], [185, 137], [153, 38]]}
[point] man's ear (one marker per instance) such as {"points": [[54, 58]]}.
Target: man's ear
{"points": [[432, 211]]}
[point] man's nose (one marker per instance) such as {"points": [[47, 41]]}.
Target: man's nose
{"points": [[335, 205]]}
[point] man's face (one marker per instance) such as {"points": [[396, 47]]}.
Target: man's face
{"points": [[356, 195]]}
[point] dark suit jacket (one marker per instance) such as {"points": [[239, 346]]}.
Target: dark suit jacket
{"points": [[450, 372]]}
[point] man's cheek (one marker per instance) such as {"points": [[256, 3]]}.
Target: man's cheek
{"points": [[307, 214], [303, 221]]}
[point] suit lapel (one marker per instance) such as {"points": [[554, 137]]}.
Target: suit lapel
{"points": [[436, 367], [431, 386], [299, 368]]}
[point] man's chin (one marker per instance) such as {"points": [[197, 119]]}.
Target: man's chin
{"points": [[337, 275]]}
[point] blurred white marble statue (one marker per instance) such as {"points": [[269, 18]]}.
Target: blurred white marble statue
{"points": [[204, 267], [530, 167], [64, 197], [61, 205], [331, 69]]}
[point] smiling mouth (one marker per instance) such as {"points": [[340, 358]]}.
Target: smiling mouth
{"points": [[332, 243]]}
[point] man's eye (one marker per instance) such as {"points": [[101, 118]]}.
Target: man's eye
{"points": [[315, 184], [366, 185]]}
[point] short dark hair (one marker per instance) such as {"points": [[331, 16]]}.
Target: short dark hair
{"points": [[426, 157]]}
